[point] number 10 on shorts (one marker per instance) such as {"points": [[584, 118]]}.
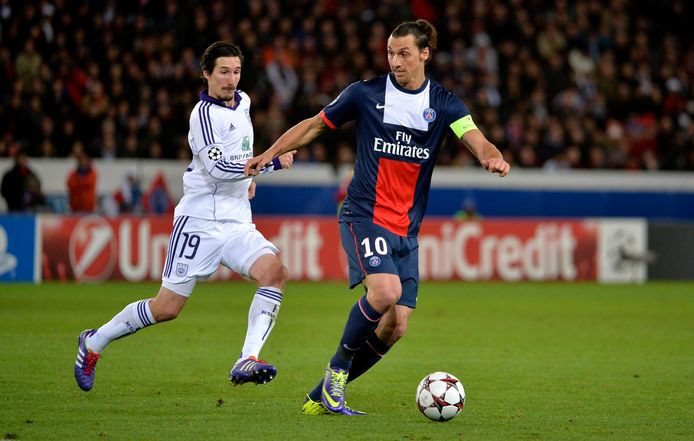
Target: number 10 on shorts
{"points": [[380, 245]]}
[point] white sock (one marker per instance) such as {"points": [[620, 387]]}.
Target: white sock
{"points": [[261, 319], [136, 315]]}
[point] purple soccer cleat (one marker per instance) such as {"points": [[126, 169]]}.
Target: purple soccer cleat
{"points": [[333, 391], [252, 370], [348, 411], [85, 365], [311, 407]]}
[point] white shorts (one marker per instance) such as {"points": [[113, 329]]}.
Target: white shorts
{"points": [[198, 246]]}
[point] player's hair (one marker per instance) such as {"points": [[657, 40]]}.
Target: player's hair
{"points": [[424, 34], [216, 50]]}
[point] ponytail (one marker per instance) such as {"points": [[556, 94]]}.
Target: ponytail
{"points": [[424, 33]]}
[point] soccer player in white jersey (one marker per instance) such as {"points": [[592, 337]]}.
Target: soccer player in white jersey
{"points": [[212, 226], [402, 118]]}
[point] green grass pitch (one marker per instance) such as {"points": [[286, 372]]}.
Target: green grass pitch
{"points": [[538, 361]]}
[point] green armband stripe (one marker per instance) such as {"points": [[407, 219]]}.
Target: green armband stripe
{"points": [[463, 125]]}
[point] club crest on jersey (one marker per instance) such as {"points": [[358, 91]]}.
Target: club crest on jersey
{"points": [[374, 261], [215, 153], [181, 269], [429, 114]]}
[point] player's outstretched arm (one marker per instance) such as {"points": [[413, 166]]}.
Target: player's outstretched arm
{"points": [[489, 156], [282, 162], [298, 136]]}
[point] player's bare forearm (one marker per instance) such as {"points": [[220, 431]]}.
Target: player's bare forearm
{"points": [[294, 138], [489, 156], [299, 135]]}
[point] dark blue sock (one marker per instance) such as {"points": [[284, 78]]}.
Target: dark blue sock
{"points": [[369, 354], [362, 321], [316, 392]]}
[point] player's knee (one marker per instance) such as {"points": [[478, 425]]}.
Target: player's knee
{"points": [[383, 293], [276, 275], [383, 298], [283, 274], [391, 296]]}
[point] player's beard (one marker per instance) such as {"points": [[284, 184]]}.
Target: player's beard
{"points": [[226, 95]]}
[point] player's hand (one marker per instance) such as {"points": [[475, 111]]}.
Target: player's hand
{"points": [[251, 190], [496, 165], [287, 159], [257, 163]]}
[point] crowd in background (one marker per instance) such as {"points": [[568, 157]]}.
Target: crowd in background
{"points": [[554, 84]]}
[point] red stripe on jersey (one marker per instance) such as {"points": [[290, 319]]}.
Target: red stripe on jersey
{"points": [[326, 120], [395, 187]]}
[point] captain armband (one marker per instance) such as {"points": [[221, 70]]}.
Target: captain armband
{"points": [[463, 125]]}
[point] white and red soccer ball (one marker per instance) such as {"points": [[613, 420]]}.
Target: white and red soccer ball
{"points": [[440, 396]]}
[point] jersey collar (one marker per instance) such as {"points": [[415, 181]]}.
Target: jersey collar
{"points": [[392, 80], [205, 97]]}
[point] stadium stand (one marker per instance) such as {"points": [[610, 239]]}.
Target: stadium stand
{"points": [[555, 84]]}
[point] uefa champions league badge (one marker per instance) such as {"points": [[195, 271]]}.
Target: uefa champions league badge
{"points": [[374, 261], [429, 114], [215, 153]]}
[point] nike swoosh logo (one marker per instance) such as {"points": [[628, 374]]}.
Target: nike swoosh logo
{"points": [[380, 106], [329, 399]]}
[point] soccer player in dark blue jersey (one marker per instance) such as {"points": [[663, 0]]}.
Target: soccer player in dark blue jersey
{"points": [[402, 118]]}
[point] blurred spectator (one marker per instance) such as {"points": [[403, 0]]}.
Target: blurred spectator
{"points": [[280, 72], [468, 210], [81, 185], [129, 195], [27, 64], [21, 187], [157, 199]]}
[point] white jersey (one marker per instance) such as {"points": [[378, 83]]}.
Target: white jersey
{"points": [[221, 139]]}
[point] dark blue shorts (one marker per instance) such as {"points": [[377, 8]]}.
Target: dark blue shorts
{"points": [[372, 249]]}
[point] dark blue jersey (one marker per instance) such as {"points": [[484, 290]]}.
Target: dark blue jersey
{"points": [[399, 133]]}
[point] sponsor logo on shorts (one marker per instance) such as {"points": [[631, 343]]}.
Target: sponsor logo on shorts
{"points": [[375, 261], [181, 269]]}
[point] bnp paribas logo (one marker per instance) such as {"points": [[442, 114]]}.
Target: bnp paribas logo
{"points": [[246, 144]]}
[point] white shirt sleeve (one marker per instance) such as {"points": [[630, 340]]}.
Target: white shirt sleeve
{"points": [[224, 170], [218, 167], [204, 131], [206, 144]]}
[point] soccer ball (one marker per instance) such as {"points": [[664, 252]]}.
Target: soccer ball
{"points": [[440, 396]]}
